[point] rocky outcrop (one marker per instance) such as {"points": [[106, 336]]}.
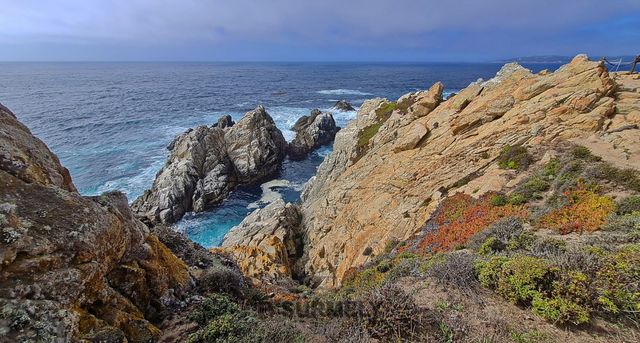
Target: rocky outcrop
{"points": [[343, 105], [27, 157], [312, 131], [224, 122], [267, 242], [393, 165], [206, 163], [74, 267]]}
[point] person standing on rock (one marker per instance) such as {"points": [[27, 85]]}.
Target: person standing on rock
{"points": [[633, 65]]}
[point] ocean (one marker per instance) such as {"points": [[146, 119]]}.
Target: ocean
{"points": [[110, 123]]}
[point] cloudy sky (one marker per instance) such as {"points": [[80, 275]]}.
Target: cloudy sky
{"points": [[312, 30]]}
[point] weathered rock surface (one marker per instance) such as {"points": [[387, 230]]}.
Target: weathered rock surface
{"points": [[224, 122], [27, 157], [313, 131], [388, 172], [267, 242], [206, 163], [343, 105], [74, 267]]}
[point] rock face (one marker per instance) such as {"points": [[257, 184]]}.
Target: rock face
{"points": [[74, 267], [206, 163], [393, 165], [313, 131], [267, 242], [343, 105], [224, 122]]}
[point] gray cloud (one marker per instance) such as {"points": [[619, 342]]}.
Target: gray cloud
{"points": [[405, 24]]}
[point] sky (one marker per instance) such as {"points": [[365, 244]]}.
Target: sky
{"points": [[312, 30]]}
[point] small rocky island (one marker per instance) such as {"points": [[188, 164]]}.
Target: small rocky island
{"points": [[207, 163], [506, 212]]}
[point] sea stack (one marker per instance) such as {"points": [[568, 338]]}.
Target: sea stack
{"points": [[207, 163], [312, 131]]}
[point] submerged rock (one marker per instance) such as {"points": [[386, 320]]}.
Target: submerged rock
{"points": [[206, 163], [312, 131], [343, 105]]}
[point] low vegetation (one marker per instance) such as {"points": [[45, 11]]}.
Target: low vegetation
{"points": [[514, 157]]}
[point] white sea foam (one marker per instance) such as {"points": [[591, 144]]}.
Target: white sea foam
{"points": [[268, 194], [447, 92], [133, 186], [342, 92]]}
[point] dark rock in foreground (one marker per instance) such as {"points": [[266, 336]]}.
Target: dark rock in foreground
{"points": [[74, 267]]}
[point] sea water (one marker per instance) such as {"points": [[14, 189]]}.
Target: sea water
{"points": [[110, 123]]}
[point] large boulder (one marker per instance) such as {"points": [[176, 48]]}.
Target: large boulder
{"points": [[312, 131], [267, 242], [74, 267], [255, 146], [206, 163]]}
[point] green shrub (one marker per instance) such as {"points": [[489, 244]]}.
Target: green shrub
{"points": [[514, 157], [629, 205], [536, 184], [214, 306], [552, 168], [560, 310], [569, 302], [627, 223], [523, 278], [365, 135], [224, 328], [499, 200], [490, 246], [222, 320], [583, 153], [617, 283], [384, 111], [488, 271], [522, 241], [629, 178], [517, 199], [503, 230]]}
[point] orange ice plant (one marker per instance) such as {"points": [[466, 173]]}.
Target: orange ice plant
{"points": [[586, 212], [462, 216]]}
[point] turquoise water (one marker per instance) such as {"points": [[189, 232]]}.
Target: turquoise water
{"points": [[110, 123]]}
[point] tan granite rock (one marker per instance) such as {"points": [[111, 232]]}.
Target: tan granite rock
{"points": [[361, 199]]}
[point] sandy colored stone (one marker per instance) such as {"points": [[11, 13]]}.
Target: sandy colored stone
{"points": [[358, 204]]}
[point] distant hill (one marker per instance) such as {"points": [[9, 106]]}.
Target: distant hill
{"points": [[560, 59]]}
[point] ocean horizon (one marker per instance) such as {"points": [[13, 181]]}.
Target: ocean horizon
{"points": [[110, 122]]}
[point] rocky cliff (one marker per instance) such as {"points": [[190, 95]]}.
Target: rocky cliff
{"points": [[206, 163], [394, 164], [73, 267]]}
